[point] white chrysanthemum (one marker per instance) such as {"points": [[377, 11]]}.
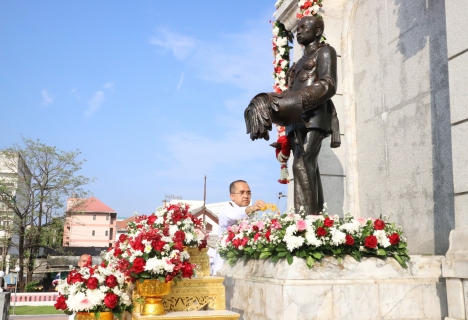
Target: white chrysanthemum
{"points": [[315, 8], [284, 63], [148, 248], [125, 298], [337, 237], [312, 239], [382, 238], [189, 237], [103, 288], [281, 50], [275, 31], [293, 242], [351, 227], [281, 41], [291, 230], [173, 229]]}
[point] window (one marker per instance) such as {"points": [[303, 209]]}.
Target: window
{"points": [[94, 217], [107, 218], [6, 223], [107, 233], [93, 233]]}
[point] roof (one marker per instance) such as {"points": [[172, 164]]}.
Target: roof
{"points": [[122, 224], [92, 204]]}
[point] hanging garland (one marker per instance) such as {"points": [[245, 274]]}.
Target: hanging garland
{"points": [[281, 49]]}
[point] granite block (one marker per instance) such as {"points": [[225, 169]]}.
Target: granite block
{"points": [[317, 306], [456, 305], [357, 301]]}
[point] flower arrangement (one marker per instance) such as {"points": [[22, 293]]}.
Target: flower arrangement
{"points": [[154, 245], [94, 289], [312, 237]]}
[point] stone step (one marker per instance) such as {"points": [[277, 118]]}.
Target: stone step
{"points": [[201, 315]]}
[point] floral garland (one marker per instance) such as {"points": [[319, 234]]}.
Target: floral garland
{"points": [[311, 237]]}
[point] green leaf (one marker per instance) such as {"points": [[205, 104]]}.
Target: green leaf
{"points": [[317, 255], [310, 261], [282, 254], [289, 258], [264, 255], [381, 252]]}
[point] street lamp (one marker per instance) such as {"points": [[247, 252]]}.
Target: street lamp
{"points": [[17, 269]]}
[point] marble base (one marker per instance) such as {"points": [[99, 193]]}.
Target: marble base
{"points": [[370, 289], [181, 315]]}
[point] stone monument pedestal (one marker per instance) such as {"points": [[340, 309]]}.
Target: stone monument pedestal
{"points": [[370, 289]]}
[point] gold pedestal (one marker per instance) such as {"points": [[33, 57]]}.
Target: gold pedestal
{"points": [[201, 259], [191, 315], [152, 291], [90, 316]]}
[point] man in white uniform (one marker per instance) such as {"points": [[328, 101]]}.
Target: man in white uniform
{"points": [[240, 208]]}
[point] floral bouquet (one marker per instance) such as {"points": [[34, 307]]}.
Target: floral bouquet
{"points": [[154, 247], [94, 289], [311, 237]]}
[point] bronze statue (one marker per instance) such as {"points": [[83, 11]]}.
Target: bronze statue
{"points": [[307, 111]]}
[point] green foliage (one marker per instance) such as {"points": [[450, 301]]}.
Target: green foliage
{"points": [[31, 286]]}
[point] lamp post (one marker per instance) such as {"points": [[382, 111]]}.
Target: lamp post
{"points": [[17, 269]]}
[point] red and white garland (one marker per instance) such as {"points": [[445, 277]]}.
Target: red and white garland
{"points": [[281, 63]]}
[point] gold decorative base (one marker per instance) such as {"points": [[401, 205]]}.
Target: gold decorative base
{"points": [[195, 294], [199, 315], [152, 291], [90, 316], [201, 259]]}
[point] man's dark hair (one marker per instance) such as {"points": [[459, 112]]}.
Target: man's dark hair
{"points": [[232, 186]]}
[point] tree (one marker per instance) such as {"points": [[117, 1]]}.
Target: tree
{"points": [[35, 181]]}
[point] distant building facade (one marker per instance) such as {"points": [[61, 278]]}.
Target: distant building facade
{"points": [[89, 223]]}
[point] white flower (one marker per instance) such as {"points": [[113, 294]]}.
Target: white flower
{"points": [[281, 42], [312, 239], [275, 31], [173, 229], [337, 237], [291, 230], [315, 8], [284, 63], [154, 265], [281, 50], [293, 242], [382, 238]]}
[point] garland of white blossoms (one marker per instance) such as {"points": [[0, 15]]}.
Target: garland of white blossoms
{"points": [[281, 47]]}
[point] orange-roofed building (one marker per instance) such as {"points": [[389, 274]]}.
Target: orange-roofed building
{"points": [[89, 223]]}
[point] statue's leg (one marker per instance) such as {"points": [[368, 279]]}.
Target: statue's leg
{"points": [[308, 194]]}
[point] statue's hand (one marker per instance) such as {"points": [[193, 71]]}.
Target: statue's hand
{"points": [[276, 100]]}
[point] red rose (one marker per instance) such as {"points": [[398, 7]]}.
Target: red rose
{"points": [[61, 303], [231, 235], [370, 242], [179, 246], [158, 245], [111, 300], [328, 222], [244, 241], [117, 251], [256, 236], [203, 244], [138, 265], [111, 281], [137, 245], [379, 224], [92, 283], [236, 242], [123, 237], [179, 236], [321, 232], [349, 240], [74, 277], [268, 234], [187, 270], [394, 238], [152, 219]]}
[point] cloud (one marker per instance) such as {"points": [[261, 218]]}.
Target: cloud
{"points": [[95, 103], [47, 99], [109, 86], [74, 92], [180, 81], [181, 46]]}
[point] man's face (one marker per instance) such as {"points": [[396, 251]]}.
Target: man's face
{"points": [[82, 261], [242, 194], [307, 31]]}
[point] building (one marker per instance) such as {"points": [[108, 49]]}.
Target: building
{"points": [[15, 177], [89, 223]]}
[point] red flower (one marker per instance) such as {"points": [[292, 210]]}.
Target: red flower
{"points": [[370, 242], [268, 234], [179, 236], [61, 303], [111, 281], [123, 237], [299, 16], [137, 245], [256, 236], [152, 219], [244, 241], [92, 283], [111, 300], [379, 224], [307, 4], [138, 265], [187, 270], [236, 242], [349, 240], [231, 235], [203, 244], [328, 222], [158, 245], [321, 232], [179, 246], [117, 251], [74, 277], [394, 238]]}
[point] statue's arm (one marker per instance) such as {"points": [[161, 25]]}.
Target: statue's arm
{"points": [[325, 87]]}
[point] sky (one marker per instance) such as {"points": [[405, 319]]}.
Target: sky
{"points": [[151, 92]]}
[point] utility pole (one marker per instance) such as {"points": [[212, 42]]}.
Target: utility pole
{"points": [[204, 201]]}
